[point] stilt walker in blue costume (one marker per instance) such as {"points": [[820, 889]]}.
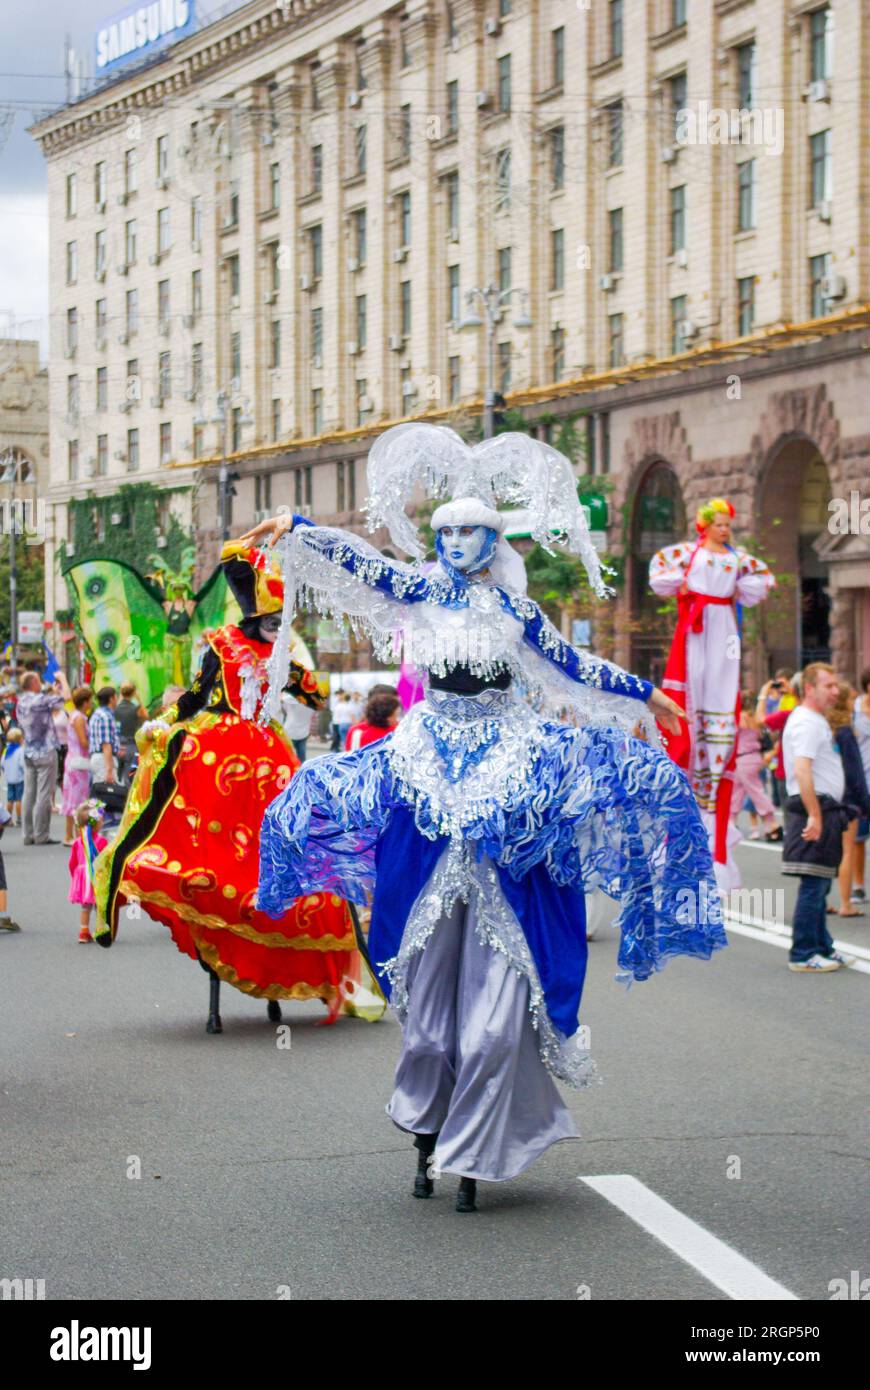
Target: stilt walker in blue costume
{"points": [[514, 787]]}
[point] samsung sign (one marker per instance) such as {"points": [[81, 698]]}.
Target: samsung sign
{"points": [[141, 29]]}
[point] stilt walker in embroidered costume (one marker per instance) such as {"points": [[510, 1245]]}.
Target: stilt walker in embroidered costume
{"points": [[187, 846], [712, 581], [477, 825]]}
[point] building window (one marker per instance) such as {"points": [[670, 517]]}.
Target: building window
{"points": [[453, 379], [821, 168], [820, 268], [405, 131], [196, 293], [102, 455], [72, 329], [275, 344], [100, 184], [317, 337], [821, 44], [274, 187], [615, 28], [72, 460], [746, 304], [678, 323], [316, 168], [452, 107], [557, 352], [557, 54], [678, 218], [315, 94], [678, 13], [236, 428], [405, 219], [101, 319], [346, 485], [232, 219], [162, 231], [361, 150], [557, 259], [614, 240], [557, 158], [363, 404], [132, 451], [235, 270], [615, 124], [361, 321], [453, 303], [236, 357], [164, 376], [130, 242], [503, 180], [165, 442], [504, 84], [71, 194], [196, 368], [196, 223], [405, 308], [163, 305], [505, 269], [198, 441], [72, 262], [274, 254], [452, 186], [504, 367], [616, 342], [407, 387], [102, 388], [505, 7], [746, 76], [678, 91], [131, 172], [746, 195], [162, 156], [72, 397], [263, 481], [133, 383], [317, 410], [99, 254], [132, 312], [315, 249], [360, 236]]}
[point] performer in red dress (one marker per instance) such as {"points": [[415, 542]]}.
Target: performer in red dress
{"points": [[188, 844]]}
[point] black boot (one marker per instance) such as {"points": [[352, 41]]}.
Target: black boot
{"points": [[465, 1197], [425, 1145], [214, 1024], [273, 1011]]}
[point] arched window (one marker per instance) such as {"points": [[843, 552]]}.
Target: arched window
{"points": [[658, 519]]}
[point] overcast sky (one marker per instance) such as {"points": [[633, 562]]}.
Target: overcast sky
{"points": [[31, 83]]}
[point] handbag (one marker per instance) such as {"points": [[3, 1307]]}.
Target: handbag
{"points": [[112, 795], [77, 763]]}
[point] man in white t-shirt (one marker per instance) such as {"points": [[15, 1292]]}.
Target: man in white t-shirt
{"points": [[814, 819]]}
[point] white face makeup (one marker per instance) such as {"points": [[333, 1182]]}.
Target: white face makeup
{"points": [[462, 545]]}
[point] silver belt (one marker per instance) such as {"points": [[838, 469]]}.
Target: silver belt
{"points": [[466, 709]]}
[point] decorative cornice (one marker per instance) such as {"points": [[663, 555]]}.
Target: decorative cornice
{"points": [[185, 65]]}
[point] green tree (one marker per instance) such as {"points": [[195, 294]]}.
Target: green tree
{"points": [[31, 581]]}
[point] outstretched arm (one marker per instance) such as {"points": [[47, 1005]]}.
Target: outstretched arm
{"points": [[352, 554], [591, 670]]}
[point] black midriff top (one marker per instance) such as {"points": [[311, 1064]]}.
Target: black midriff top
{"points": [[460, 680]]}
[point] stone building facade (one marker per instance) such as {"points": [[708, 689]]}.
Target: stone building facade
{"points": [[262, 242]]}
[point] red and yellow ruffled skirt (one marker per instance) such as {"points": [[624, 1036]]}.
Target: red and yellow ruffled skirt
{"points": [[187, 851]]}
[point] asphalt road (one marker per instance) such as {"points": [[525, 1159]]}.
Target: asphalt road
{"points": [[270, 1172]]}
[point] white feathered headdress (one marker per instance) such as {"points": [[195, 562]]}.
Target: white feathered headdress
{"points": [[511, 468]]}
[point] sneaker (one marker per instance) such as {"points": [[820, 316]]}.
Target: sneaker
{"points": [[84, 935], [7, 924], [840, 958], [755, 835], [816, 965], [858, 895]]}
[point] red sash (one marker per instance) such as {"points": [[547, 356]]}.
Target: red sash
{"points": [[690, 618]]}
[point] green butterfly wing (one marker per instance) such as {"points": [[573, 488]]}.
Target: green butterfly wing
{"points": [[215, 605], [123, 624]]}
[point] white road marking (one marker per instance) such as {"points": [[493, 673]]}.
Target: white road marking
{"points": [[775, 935], [729, 1271]]}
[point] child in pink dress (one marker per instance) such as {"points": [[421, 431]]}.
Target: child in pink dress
{"points": [[88, 820]]}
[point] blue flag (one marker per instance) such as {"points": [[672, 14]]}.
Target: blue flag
{"points": [[52, 665]]}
